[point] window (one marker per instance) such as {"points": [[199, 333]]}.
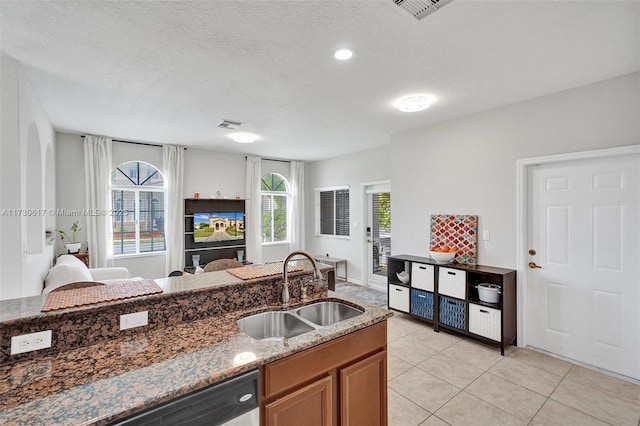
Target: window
{"points": [[275, 199], [137, 197], [333, 211]]}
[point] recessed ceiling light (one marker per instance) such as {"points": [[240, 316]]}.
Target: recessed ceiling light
{"points": [[344, 54], [414, 103], [244, 137]]}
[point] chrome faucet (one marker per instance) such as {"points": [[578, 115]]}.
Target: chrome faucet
{"points": [[285, 273]]}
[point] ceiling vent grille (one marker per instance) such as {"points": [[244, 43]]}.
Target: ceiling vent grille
{"points": [[228, 124], [421, 8]]}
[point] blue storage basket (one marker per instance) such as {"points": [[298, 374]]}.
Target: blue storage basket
{"points": [[422, 303], [452, 312]]}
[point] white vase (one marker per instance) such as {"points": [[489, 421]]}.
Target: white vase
{"points": [[73, 248]]}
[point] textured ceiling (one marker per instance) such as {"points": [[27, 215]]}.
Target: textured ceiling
{"points": [[170, 71]]}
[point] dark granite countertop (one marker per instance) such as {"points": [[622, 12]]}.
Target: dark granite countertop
{"points": [[29, 307], [98, 384]]}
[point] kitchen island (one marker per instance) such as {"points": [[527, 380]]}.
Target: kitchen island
{"points": [[111, 379]]}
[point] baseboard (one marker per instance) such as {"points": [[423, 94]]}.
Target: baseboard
{"points": [[374, 286], [380, 287]]}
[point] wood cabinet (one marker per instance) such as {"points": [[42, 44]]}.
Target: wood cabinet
{"points": [[361, 392], [448, 296], [311, 403], [341, 382]]}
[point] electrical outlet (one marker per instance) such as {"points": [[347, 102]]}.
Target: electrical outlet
{"points": [[30, 342], [136, 319]]}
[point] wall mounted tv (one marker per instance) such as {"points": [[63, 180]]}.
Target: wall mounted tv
{"points": [[214, 227]]}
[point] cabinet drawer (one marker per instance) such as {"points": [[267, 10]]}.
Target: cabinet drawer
{"points": [[422, 303], [451, 282], [452, 312], [399, 297], [422, 276], [485, 321]]}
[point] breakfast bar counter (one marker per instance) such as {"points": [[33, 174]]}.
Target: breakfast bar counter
{"points": [[109, 380]]}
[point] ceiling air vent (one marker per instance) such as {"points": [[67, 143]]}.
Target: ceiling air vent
{"points": [[421, 8], [228, 124]]}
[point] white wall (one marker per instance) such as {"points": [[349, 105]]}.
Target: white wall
{"points": [[26, 182], [352, 170], [70, 186], [209, 171], [10, 188], [71, 194], [468, 165], [205, 172]]}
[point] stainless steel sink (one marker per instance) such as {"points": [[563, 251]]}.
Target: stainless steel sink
{"points": [[327, 313], [273, 325]]}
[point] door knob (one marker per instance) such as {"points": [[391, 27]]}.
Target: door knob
{"points": [[533, 265]]}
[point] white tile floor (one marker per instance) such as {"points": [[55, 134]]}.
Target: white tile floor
{"points": [[443, 379]]}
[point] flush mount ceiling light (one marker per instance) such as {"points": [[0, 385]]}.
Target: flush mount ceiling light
{"points": [[414, 103], [244, 137], [344, 54]]}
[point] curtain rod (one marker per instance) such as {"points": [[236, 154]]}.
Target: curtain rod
{"points": [[136, 143], [272, 159]]}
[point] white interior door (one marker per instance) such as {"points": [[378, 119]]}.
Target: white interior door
{"points": [[378, 233], [584, 279]]}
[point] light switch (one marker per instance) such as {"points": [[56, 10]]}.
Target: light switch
{"points": [[486, 235], [136, 319]]}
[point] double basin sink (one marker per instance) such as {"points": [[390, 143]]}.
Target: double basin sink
{"points": [[286, 324]]}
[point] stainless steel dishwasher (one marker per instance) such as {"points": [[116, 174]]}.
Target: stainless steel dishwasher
{"points": [[233, 402]]}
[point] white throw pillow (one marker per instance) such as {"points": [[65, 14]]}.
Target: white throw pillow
{"points": [[69, 259], [62, 274]]}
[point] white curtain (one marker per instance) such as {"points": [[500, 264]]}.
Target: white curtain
{"points": [[296, 212], [173, 165], [253, 225], [97, 171]]}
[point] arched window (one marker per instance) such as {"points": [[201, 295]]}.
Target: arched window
{"points": [[137, 195], [275, 201]]}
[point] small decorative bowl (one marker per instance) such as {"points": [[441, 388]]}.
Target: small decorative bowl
{"points": [[441, 257], [403, 277]]}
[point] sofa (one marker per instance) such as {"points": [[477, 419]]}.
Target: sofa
{"points": [[69, 269]]}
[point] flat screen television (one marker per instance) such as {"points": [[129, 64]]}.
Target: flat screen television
{"points": [[218, 226]]}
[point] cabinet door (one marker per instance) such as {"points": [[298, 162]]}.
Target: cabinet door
{"points": [[485, 321], [422, 276], [311, 403], [363, 392], [399, 297], [452, 282]]}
